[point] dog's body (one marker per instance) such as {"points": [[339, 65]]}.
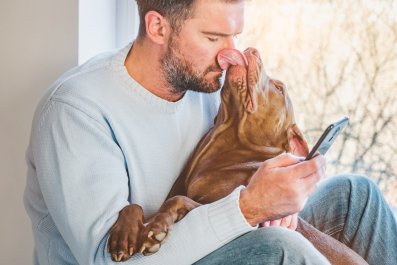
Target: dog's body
{"points": [[255, 122]]}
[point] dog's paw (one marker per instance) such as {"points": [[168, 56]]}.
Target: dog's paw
{"points": [[155, 233], [123, 241], [159, 226]]}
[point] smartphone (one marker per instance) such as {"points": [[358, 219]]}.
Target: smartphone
{"points": [[328, 137]]}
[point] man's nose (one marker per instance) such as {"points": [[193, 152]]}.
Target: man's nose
{"points": [[229, 43]]}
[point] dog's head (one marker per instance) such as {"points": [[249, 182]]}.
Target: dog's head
{"points": [[260, 105]]}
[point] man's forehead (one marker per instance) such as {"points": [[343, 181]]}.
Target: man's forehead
{"points": [[219, 16], [201, 7]]}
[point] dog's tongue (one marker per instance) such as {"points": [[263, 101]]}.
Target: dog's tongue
{"points": [[227, 57]]}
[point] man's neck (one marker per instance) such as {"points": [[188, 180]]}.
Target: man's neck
{"points": [[143, 65]]}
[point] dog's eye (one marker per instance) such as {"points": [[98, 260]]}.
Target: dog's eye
{"points": [[279, 87]]}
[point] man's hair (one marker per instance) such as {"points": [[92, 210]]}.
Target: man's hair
{"points": [[175, 11]]}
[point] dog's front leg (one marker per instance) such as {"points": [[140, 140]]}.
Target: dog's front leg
{"points": [[159, 225]]}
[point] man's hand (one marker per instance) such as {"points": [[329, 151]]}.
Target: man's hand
{"points": [[280, 187]]}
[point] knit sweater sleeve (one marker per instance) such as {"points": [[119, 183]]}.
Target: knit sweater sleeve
{"points": [[82, 175]]}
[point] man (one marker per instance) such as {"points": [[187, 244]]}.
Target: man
{"points": [[119, 129]]}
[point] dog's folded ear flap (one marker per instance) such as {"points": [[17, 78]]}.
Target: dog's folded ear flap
{"points": [[297, 144], [255, 74]]}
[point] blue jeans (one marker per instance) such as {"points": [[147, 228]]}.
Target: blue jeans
{"points": [[349, 208]]}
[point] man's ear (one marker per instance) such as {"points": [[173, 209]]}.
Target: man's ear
{"points": [[297, 144], [157, 27]]}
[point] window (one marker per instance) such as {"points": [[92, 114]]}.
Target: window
{"points": [[105, 25], [127, 22], [337, 58]]}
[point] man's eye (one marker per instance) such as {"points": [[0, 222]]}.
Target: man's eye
{"points": [[212, 39]]}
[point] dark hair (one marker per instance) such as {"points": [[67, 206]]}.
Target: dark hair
{"points": [[175, 11]]}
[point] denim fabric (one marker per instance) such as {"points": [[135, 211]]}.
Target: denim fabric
{"points": [[353, 210], [349, 208], [273, 245]]}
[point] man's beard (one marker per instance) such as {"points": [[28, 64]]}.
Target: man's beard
{"points": [[181, 75]]}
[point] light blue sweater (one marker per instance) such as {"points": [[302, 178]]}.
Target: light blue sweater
{"points": [[100, 141]]}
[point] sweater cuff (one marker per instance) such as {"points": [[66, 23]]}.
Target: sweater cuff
{"points": [[226, 218]]}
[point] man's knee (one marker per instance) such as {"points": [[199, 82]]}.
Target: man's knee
{"points": [[349, 196], [358, 186]]}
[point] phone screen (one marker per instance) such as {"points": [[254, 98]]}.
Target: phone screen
{"points": [[328, 137]]}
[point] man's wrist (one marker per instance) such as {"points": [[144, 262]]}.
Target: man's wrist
{"points": [[247, 209]]}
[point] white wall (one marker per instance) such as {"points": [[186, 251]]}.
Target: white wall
{"points": [[38, 41]]}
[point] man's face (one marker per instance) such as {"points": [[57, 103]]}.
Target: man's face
{"points": [[190, 60]]}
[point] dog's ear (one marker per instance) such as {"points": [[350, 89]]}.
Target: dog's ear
{"points": [[255, 76], [297, 144]]}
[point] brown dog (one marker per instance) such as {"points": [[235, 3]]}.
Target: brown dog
{"points": [[255, 122]]}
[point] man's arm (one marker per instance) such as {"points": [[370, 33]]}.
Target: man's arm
{"points": [[84, 182], [82, 176]]}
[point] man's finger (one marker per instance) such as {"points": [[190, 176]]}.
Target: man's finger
{"points": [[286, 221], [275, 222], [307, 168], [284, 160], [310, 183], [294, 222]]}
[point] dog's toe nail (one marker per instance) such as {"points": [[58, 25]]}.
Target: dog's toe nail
{"points": [[150, 234], [142, 249], [160, 236], [120, 255], [131, 251], [154, 248]]}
